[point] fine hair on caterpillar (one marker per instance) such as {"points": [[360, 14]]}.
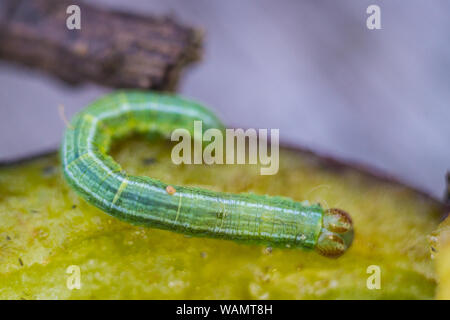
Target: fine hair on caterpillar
{"points": [[248, 218]]}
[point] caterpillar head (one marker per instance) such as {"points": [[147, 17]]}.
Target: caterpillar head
{"points": [[336, 235]]}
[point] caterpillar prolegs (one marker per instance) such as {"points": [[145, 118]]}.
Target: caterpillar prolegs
{"points": [[248, 218]]}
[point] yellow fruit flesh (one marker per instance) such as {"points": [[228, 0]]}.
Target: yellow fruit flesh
{"points": [[45, 228]]}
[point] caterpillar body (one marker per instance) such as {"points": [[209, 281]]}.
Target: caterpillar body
{"points": [[250, 218]]}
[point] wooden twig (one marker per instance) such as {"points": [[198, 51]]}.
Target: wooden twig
{"points": [[115, 49]]}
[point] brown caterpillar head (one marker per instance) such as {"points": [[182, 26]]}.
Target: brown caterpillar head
{"points": [[336, 235]]}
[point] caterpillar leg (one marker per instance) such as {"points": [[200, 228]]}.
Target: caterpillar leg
{"points": [[336, 235]]}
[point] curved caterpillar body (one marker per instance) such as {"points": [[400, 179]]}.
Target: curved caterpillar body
{"points": [[273, 221]]}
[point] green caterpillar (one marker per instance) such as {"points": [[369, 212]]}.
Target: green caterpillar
{"points": [[93, 174]]}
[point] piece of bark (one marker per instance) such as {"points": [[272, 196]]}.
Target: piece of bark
{"points": [[115, 49]]}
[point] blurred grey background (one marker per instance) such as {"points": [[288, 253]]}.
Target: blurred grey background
{"points": [[310, 68]]}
